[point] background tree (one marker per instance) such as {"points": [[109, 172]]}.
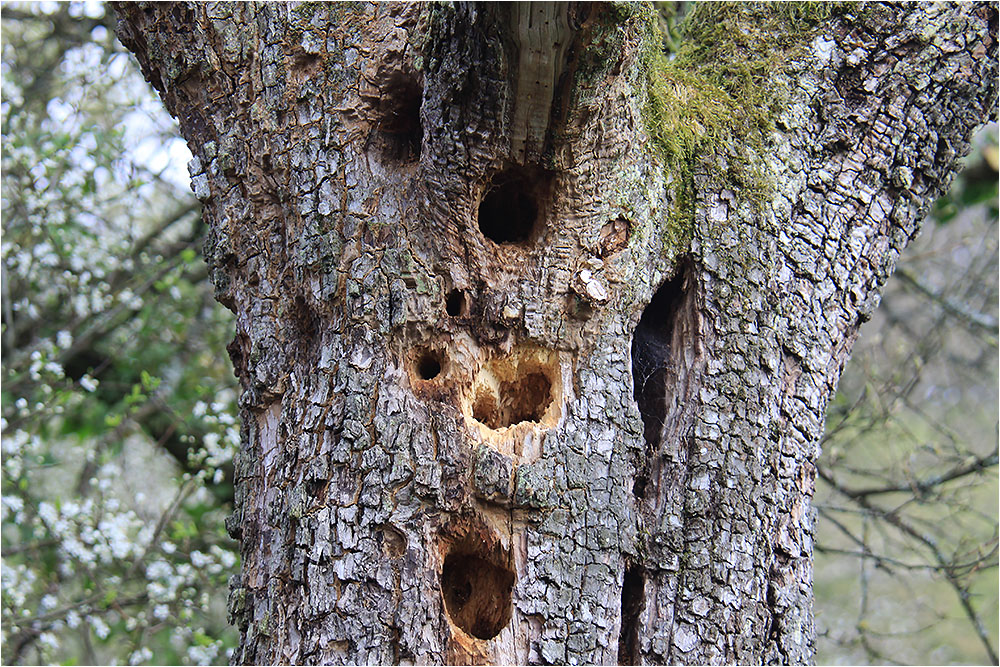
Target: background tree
{"points": [[907, 544], [438, 226]]}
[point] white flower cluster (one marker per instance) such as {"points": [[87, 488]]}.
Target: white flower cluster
{"points": [[220, 445]]}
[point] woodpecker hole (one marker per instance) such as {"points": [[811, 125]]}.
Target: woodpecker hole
{"points": [[633, 592], [428, 365], [514, 398], [513, 390], [513, 207], [651, 354], [485, 408], [457, 303], [477, 592], [523, 399], [399, 131], [639, 485]]}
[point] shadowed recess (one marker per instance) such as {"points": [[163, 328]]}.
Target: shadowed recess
{"points": [[651, 351], [523, 399], [633, 592], [521, 389], [512, 210], [477, 594], [457, 303], [399, 130], [428, 365]]}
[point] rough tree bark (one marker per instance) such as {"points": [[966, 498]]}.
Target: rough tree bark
{"points": [[513, 391]]}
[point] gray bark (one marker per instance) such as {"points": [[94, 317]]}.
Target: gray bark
{"points": [[439, 229]]}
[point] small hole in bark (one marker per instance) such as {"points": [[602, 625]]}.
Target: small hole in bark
{"points": [[639, 486], [511, 211], [633, 592], [457, 304], [315, 486], [238, 350], [476, 594], [399, 128], [429, 365]]}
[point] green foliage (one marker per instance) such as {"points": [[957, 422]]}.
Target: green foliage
{"points": [[117, 406]]}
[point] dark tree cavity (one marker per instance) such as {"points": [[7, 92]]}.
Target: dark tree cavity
{"points": [[651, 352], [476, 593], [429, 365], [457, 304], [633, 599], [512, 209], [522, 399], [400, 133]]}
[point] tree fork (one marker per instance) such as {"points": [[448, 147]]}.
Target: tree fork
{"points": [[439, 227]]}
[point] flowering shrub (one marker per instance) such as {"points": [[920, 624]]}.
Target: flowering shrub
{"points": [[118, 402]]}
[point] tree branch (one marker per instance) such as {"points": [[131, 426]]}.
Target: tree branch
{"points": [[959, 310]]}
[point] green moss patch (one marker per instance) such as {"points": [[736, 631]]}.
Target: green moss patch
{"points": [[719, 93], [720, 86]]}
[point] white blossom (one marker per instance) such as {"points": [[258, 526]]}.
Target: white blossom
{"points": [[199, 560], [140, 656], [47, 512], [64, 339], [203, 655], [48, 640], [226, 558], [99, 627], [13, 503]]}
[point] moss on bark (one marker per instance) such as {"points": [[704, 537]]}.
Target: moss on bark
{"points": [[719, 95]]}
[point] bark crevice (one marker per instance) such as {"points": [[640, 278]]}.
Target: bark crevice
{"points": [[633, 601], [654, 366]]}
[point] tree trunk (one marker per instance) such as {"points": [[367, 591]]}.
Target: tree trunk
{"points": [[513, 390]]}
